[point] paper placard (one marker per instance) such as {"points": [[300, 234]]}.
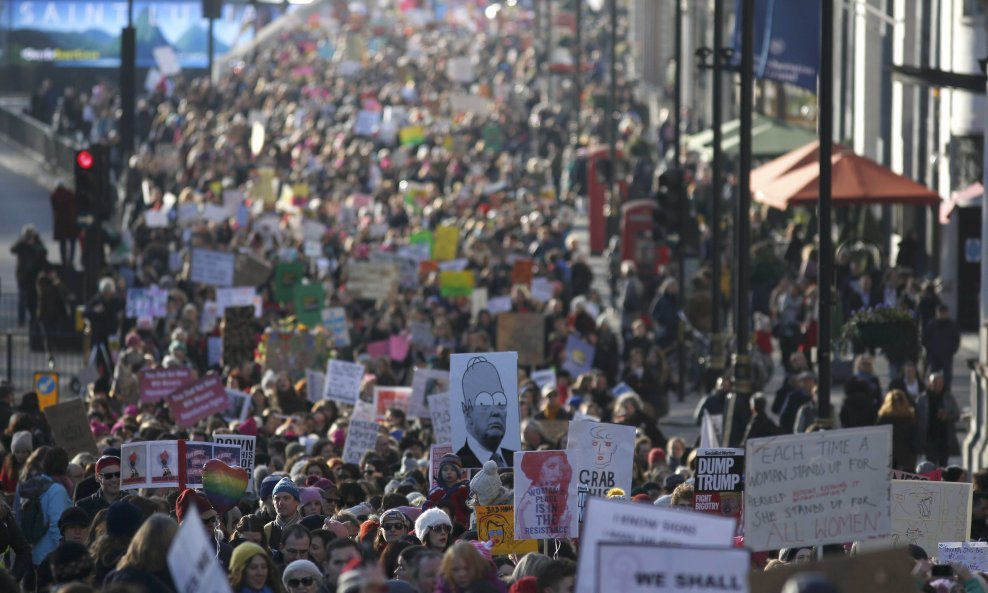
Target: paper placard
{"points": [[439, 411], [70, 427], [719, 482], [817, 488], [602, 455], [343, 381], [391, 397], [315, 385], [151, 302], [425, 382], [212, 267], [197, 400], [579, 356], [192, 559], [544, 378], [156, 219], [158, 383], [239, 406], [483, 402], [545, 496], [973, 555], [334, 320], [646, 568], [167, 60], [444, 243], [361, 437], [240, 296], [496, 523], [248, 448], [371, 280]]}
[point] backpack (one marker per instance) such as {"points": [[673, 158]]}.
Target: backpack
{"points": [[31, 516]]}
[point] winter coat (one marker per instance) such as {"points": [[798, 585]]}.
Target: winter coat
{"points": [[54, 501], [923, 417]]}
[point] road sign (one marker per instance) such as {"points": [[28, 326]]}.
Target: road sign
{"points": [[46, 388]]}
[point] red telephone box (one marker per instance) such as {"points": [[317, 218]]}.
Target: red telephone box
{"points": [[591, 179], [637, 244]]}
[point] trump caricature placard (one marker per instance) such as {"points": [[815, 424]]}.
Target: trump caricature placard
{"points": [[483, 401]]}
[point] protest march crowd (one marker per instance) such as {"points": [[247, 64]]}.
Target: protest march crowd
{"points": [[346, 341]]}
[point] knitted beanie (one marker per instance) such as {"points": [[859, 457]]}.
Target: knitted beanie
{"points": [[21, 440], [123, 519], [308, 494], [301, 568], [190, 497], [107, 461], [267, 486], [286, 485], [429, 519], [486, 485], [242, 555], [483, 548]]}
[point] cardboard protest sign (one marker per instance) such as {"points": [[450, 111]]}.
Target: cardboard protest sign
{"points": [[239, 330], [361, 437], [197, 400], [70, 427], [239, 405], [372, 281], [158, 383], [212, 267], [293, 352], [650, 568], [287, 275], [496, 523], [620, 521], [521, 272], [251, 270], [248, 448], [334, 320], [391, 397], [439, 412], [151, 302], [192, 560], [483, 401], [315, 385], [343, 381], [456, 284], [926, 513], [308, 304], [444, 243], [543, 484], [603, 455], [579, 356], [880, 572], [719, 482], [523, 333], [973, 555], [817, 488], [425, 382]]}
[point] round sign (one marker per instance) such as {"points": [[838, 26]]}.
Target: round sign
{"points": [[45, 385]]}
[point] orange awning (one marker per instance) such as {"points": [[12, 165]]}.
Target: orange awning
{"points": [[793, 179]]}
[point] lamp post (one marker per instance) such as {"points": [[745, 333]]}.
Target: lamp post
{"points": [[825, 120]]}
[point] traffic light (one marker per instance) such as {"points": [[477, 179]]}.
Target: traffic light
{"points": [[92, 184]]}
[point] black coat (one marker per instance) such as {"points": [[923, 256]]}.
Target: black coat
{"points": [[942, 339]]}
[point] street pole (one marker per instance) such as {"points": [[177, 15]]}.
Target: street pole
{"points": [[128, 84], [717, 344], [550, 90], [210, 49], [681, 197], [611, 115], [825, 117], [578, 68]]}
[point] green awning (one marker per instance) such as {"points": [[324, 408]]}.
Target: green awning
{"points": [[769, 138]]}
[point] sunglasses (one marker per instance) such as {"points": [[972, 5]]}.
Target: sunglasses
{"points": [[111, 475], [442, 528], [392, 526], [304, 581]]}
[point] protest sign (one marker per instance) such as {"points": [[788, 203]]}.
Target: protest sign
{"points": [[238, 296], [497, 305], [579, 356], [523, 333], [192, 559], [315, 385], [248, 448], [880, 572], [70, 427], [334, 320], [197, 400], [442, 431], [212, 267], [343, 381], [521, 272], [496, 524], [478, 301], [425, 382], [239, 330], [395, 348], [602, 455], [411, 136], [293, 352], [901, 475], [544, 378], [251, 270], [173, 464], [542, 289], [617, 521], [456, 284], [483, 402], [166, 464], [367, 123], [421, 334], [238, 407], [308, 304], [543, 481], [817, 488], [391, 397], [158, 383], [361, 437], [444, 243], [460, 69], [371, 280], [926, 513], [149, 302], [973, 555], [719, 482], [651, 568], [198, 454], [287, 275]]}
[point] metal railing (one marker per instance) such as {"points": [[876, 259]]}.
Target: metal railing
{"points": [[58, 152], [28, 348]]}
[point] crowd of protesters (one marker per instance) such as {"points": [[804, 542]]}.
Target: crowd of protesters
{"points": [[316, 523]]}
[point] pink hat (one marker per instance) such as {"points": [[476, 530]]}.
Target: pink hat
{"points": [[131, 410], [338, 437], [484, 548], [320, 483], [309, 494], [248, 427], [98, 428]]}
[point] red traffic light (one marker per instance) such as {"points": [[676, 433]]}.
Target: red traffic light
{"points": [[84, 159]]}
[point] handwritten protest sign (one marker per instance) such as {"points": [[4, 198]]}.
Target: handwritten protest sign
{"points": [[315, 385], [649, 568], [817, 488], [973, 555], [146, 302], [361, 437], [287, 275], [425, 382], [719, 481], [602, 455], [523, 333], [195, 401], [626, 522], [456, 284], [158, 383], [579, 356], [343, 381], [192, 559], [442, 430], [212, 267], [371, 280], [880, 572], [496, 524], [543, 481], [926, 513], [70, 427], [391, 397], [248, 448], [239, 331], [444, 243], [239, 296], [334, 320]]}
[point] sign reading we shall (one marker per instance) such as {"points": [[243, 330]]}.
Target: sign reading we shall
{"points": [[817, 488]]}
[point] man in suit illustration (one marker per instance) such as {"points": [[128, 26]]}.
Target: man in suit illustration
{"points": [[485, 412]]}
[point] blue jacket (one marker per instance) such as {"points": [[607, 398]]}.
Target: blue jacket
{"points": [[54, 501]]}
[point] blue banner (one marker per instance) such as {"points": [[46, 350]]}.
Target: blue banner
{"points": [[786, 40]]}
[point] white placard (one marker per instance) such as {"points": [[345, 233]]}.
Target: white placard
{"points": [[817, 488], [334, 320], [544, 377], [460, 69], [602, 455], [156, 219], [638, 568], [192, 559], [483, 404], [426, 382], [439, 411], [212, 267], [248, 447], [239, 296], [973, 555], [619, 521], [239, 405], [343, 381], [501, 304], [361, 437], [315, 385]]}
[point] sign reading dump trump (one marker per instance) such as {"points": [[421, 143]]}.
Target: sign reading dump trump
{"points": [[817, 488]]}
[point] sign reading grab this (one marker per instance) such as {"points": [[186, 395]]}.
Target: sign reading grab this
{"points": [[817, 488]]}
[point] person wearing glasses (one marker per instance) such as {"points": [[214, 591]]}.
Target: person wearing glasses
{"points": [[485, 413], [394, 525], [108, 478], [433, 527], [295, 543], [209, 518], [252, 571], [301, 576]]}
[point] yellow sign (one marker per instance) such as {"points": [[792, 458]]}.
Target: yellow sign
{"points": [[46, 388], [456, 284], [496, 523], [444, 243]]}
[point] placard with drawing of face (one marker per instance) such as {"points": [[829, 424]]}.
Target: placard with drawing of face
{"points": [[483, 400]]}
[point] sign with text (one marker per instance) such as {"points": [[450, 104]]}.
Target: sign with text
{"points": [[973, 555], [425, 382], [442, 430], [361, 437], [543, 491], [603, 455], [248, 448], [334, 320], [195, 401], [212, 267], [391, 397], [158, 383], [343, 381], [496, 524], [646, 568], [719, 482], [192, 559], [817, 488]]}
